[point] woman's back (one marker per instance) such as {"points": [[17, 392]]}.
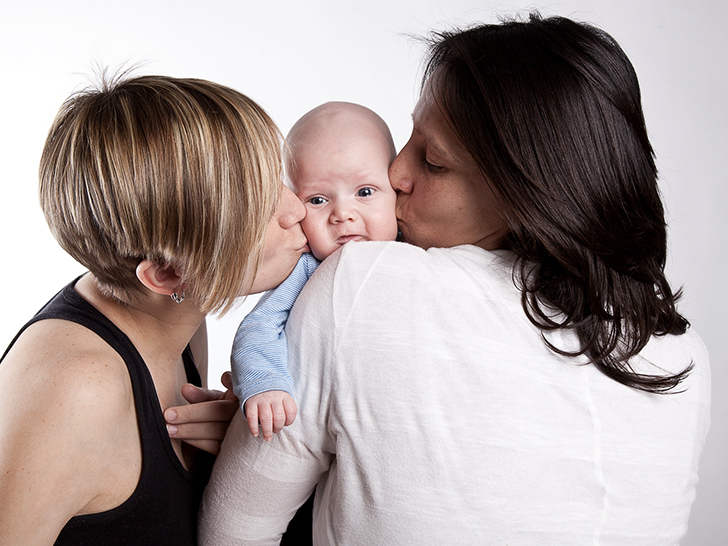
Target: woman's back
{"points": [[467, 428]]}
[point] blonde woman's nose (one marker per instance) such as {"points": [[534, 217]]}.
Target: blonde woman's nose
{"points": [[291, 210]]}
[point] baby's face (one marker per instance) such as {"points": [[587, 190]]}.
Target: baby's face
{"points": [[347, 196]]}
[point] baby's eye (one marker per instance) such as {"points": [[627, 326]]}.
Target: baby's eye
{"points": [[365, 192], [317, 200]]}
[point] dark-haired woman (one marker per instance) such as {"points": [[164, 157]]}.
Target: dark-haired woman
{"points": [[519, 372]]}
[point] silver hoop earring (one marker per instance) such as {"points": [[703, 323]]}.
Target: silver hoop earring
{"points": [[177, 298]]}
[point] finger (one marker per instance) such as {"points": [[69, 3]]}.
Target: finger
{"points": [[251, 413], [195, 394], [227, 380], [266, 421], [291, 410], [198, 431], [216, 410], [279, 418]]}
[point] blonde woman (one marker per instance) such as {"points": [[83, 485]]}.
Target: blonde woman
{"points": [[169, 192]]}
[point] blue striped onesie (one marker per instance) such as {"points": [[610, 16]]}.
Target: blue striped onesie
{"points": [[260, 357]]}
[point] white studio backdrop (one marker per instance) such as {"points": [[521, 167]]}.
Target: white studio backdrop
{"points": [[293, 55]]}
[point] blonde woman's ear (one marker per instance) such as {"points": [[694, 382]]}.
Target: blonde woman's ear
{"points": [[161, 279]]}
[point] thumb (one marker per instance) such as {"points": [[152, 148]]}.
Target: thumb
{"points": [[227, 380], [195, 394]]}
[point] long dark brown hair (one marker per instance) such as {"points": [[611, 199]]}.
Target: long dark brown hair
{"points": [[550, 110]]}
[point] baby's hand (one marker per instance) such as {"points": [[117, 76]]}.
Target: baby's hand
{"points": [[274, 410]]}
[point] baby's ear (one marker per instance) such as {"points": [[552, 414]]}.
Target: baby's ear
{"points": [[161, 279]]}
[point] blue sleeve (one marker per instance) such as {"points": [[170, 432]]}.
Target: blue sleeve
{"points": [[260, 356]]}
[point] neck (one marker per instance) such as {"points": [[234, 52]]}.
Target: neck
{"points": [[159, 328]]}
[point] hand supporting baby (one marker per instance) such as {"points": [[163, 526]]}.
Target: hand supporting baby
{"points": [[204, 421]]}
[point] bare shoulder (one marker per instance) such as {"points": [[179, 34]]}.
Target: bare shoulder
{"points": [[63, 361], [68, 409]]}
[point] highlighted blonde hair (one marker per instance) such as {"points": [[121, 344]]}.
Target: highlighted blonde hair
{"points": [[179, 171]]}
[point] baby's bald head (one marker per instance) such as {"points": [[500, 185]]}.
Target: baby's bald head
{"points": [[328, 131]]}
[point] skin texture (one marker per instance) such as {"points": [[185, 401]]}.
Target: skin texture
{"points": [[338, 160], [67, 402], [442, 198]]}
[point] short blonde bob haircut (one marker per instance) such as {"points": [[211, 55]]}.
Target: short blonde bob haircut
{"points": [[182, 172]]}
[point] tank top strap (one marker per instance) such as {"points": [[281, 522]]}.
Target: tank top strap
{"points": [[163, 507]]}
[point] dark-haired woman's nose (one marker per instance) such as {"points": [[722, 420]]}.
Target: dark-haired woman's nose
{"points": [[399, 174]]}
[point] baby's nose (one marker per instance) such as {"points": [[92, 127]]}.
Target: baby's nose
{"points": [[342, 213]]}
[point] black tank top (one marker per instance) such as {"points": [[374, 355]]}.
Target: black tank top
{"points": [[163, 508]]}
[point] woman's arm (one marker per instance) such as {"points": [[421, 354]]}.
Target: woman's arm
{"points": [[256, 487], [69, 442]]}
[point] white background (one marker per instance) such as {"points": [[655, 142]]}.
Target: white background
{"points": [[292, 55]]}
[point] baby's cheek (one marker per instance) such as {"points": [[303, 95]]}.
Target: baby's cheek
{"points": [[386, 226], [309, 224], [318, 239]]}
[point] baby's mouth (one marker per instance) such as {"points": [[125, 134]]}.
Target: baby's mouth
{"points": [[348, 238]]}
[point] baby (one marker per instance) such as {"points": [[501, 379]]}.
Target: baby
{"points": [[337, 160]]}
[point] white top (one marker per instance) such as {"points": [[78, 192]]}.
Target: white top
{"points": [[431, 412]]}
